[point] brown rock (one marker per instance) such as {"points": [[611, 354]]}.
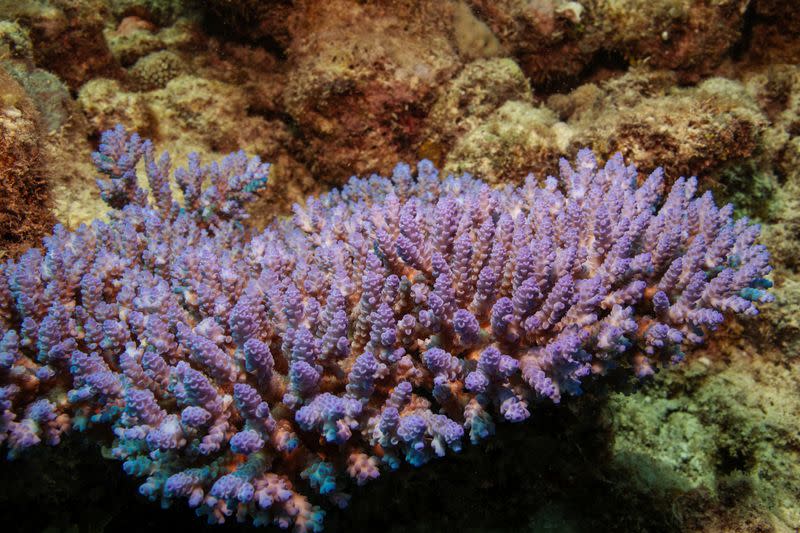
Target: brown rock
{"points": [[361, 84], [692, 131], [24, 194], [562, 39], [476, 92], [67, 36]]}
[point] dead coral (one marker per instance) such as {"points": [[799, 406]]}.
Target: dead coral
{"points": [[513, 141], [105, 104], [154, 71], [472, 36], [692, 131], [776, 90], [25, 207], [251, 20], [474, 94], [134, 38], [47, 92], [557, 39], [161, 12], [67, 36], [15, 43], [774, 34], [705, 130], [359, 93]]}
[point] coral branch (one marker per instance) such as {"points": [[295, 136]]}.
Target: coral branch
{"points": [[379, 324]]}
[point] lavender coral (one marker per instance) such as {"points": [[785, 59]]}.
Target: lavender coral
{"points": [[384, 322]]}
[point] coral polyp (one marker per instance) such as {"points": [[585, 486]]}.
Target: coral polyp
{"points": [[389, 321]]}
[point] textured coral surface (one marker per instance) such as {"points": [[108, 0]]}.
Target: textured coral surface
{"points": [[385, 321]]}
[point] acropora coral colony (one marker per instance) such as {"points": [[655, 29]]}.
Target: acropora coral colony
{"points": [[381, 323]]}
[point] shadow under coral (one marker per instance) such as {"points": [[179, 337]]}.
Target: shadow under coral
{"points": [[555, 472]]}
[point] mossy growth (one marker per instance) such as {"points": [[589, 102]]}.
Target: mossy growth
{"points": [[749, 188], [15, 43]]}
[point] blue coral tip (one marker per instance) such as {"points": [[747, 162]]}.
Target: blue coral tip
{"points": [[762, 283], [749, 293]]}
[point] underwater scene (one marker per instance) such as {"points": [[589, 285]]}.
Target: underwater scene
{"points": [[400, 266]]}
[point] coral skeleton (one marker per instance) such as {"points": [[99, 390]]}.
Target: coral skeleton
{"points": [[257, 375]]}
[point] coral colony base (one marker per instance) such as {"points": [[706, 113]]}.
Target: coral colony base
{"points": [[390, 320]]}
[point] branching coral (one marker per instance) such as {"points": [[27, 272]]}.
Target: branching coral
{"points": [[381, 323]]}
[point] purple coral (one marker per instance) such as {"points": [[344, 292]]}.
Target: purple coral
{"points": [[313, 349]]}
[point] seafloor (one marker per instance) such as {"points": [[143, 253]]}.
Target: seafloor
{"points": [[499, 88]]}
